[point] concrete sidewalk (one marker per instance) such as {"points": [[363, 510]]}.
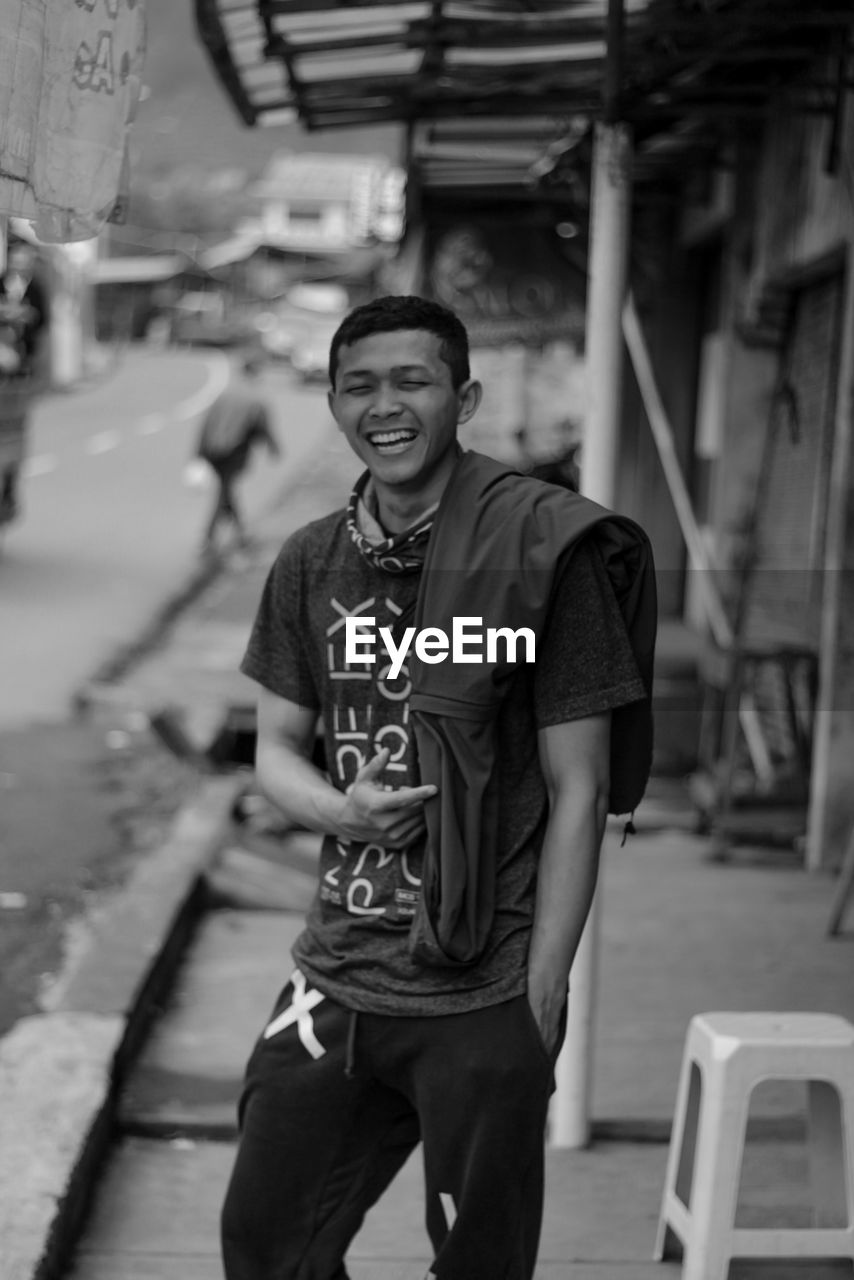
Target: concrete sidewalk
{"points": [[680, 934]]}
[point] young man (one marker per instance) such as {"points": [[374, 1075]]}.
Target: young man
{"points": [[233, 426], [460, 851]]}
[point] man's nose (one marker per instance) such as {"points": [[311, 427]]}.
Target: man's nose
{"points": [[385, 402]]}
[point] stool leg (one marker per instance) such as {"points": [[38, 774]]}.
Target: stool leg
{"points": [[846, 1098], [717, 1174], [680, 1158], [826, 1155], [688, 1151]]}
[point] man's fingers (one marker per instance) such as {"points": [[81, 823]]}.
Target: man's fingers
{"points": [[405, 798], [394, 798], [374, 767]]}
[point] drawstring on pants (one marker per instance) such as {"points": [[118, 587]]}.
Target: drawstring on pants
{"points": [[350, 1055]]}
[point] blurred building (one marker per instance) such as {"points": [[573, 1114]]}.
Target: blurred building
{"points": [[750, 301], [130, 291], [323, 203]]}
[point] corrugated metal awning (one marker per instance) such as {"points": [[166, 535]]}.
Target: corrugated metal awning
{"points": [[504, 85]]}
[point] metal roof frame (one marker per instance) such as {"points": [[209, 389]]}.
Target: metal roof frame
{"points": [[515, 77]]}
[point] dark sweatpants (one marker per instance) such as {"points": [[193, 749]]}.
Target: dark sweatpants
{"points": [[334, 1104]]}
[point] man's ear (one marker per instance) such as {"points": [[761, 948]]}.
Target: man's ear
{"points": [[330, 400], [470, 395]]}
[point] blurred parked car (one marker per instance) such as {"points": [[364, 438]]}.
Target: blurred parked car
{"points": [[310, 352], [201, 319]]}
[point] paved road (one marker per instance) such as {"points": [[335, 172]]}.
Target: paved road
{"points": [[109, 533], [110, 529]]}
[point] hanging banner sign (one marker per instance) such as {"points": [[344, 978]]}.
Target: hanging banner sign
{"points": [[70, 76], [506, 285]]}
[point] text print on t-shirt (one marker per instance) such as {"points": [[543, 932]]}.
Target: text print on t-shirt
{"points": [[371, 712]]}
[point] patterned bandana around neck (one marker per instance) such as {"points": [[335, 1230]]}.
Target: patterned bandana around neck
{"points": [[394, 553]]}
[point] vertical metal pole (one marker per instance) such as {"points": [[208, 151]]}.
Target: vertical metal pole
{"points": [[609, 242]]}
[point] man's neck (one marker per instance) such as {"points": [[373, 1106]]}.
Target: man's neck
{"points": [[398, 509], [396, 512]]}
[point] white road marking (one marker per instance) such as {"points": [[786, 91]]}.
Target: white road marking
{"points": [[40, 465], [103, 442], [219, 373], [12, 901], [217, 379], [151, 423]]}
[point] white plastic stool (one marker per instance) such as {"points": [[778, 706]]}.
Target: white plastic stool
{"points": [[726, 1055]]}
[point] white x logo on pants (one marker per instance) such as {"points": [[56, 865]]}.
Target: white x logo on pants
{"points": [[299, 1011]]}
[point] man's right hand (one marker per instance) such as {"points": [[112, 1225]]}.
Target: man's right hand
{"points": [[374, 814]]}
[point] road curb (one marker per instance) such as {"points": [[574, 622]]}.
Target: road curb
{"points": [[60, 1071]]}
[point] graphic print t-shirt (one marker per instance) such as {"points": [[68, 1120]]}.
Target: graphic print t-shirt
{"points": [[354, 946]]}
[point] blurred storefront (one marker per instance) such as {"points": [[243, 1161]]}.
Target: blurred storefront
{"points": [[501, 270], [730, 146], [772, 339]]}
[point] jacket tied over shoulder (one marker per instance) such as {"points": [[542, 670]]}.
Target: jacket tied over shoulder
{"points": [[499, 543]]}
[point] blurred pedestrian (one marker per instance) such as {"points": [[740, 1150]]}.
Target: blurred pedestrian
{"points": [[462, 814], [237, 422], [23, 318]]}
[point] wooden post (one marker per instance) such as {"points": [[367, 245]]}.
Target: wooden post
{"points": [[662, 434], [609, 244]]}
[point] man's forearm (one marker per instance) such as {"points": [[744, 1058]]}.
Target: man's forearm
{"points": [[299, 790], [566, 881]]}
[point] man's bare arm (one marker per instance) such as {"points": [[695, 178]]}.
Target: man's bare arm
{"points": [[368, 812], [574, 758]]}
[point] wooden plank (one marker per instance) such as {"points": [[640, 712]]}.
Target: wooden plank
{"points": [[663, 436]]}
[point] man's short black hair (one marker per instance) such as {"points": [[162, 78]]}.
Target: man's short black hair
{"points": [[406, 311]]}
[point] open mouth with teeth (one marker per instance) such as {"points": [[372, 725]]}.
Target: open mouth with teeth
{"points": [[396, 441]]}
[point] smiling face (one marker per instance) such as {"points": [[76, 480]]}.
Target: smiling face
{"points": [[395, 401]]}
